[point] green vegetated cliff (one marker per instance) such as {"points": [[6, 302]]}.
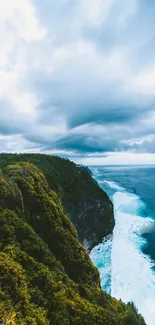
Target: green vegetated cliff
{"points": [[86, 204], [46, 275]]}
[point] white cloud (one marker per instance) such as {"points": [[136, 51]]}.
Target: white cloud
{"points": [[19, 27], [139, 141], [16, 143], [127, 10], [20, 15], [96, 11], [120, 158], [145, 81]]}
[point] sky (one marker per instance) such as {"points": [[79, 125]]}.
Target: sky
{"points": [[77, 79]]}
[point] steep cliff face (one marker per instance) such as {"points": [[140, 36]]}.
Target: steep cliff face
{"points": [[92, 211], [86, 204], [46, 275]]}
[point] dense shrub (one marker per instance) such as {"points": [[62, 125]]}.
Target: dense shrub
{"points": [[86, 204]]}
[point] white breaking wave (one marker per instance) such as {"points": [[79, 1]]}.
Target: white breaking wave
{"points": [[130, 271], [132, 277], [103, 264], [114, 185]]}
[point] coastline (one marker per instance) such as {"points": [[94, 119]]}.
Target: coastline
{"points": [[132, 276]]}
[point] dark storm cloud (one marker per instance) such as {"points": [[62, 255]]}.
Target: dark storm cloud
{"points": [[88, 101], [84, 144]]}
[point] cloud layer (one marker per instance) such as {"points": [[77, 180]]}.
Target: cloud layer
{"points": [[77, 77]]}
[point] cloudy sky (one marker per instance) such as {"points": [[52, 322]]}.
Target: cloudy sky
{"points": [[77, 79]]}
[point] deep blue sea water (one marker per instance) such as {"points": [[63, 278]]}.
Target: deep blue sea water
{"points": [[126, 260]]}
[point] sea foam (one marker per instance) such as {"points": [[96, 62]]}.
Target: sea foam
{"points": [[113, 185], [103, 264], [120, 260]]}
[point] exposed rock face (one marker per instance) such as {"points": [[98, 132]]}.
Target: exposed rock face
{"points": [[86, 204], [92, 215]]}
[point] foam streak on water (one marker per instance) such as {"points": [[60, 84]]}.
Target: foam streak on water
{"points": [[103, 264], [131, 276]]}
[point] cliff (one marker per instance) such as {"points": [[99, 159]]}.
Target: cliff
{"points": [[46, 275], [85, 203]]}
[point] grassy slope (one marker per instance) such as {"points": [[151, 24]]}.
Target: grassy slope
{"points": [[46, 274]]}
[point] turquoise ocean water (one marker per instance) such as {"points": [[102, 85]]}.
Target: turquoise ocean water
{"points": [[126, 260]]}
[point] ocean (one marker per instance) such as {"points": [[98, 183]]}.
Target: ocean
{"points": [[126, 260]]}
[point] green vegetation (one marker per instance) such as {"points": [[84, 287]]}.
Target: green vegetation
{"points": [[46, 276], [86, 204]]}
